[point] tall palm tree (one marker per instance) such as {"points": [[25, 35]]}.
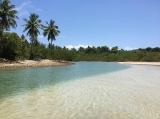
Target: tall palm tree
{"points": [[51, 31], [7, 18], [32, 27]]}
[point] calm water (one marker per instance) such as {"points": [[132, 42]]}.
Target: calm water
{"points": [[89, 90], [18, 81]]}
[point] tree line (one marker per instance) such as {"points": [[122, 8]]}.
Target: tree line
{"points": [[18, 48], [104, 53], [15, 47]]}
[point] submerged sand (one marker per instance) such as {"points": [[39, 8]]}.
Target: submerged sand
{"points": [[33, 63], [132, 93]]}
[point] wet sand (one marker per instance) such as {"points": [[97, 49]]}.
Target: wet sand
{"points": [[132, 93], [33, 63]]}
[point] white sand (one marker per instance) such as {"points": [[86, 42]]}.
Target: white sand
{"points": [[141, 63], [132, 93]]}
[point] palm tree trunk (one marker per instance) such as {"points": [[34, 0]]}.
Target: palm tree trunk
{"points": [[1, 42], [31, 54], [51, 50], [1, 47]]}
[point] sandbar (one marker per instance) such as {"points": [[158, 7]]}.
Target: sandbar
{"points": [[33, 63], [142, 63]]}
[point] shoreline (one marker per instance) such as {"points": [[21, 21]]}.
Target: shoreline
{"points": [[141, 63], [33, 63], [47, 62]]}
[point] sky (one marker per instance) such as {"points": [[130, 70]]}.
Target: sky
{"points": [[128, 24]]}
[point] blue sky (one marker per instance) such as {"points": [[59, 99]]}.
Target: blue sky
{"points": [[124, 23]]}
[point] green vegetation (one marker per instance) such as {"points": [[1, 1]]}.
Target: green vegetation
{"points": [[32, 25], [51, 31], [7, 19], [105, 54], [16, 47]]}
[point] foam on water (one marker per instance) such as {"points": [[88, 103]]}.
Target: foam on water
{"points": [[132, 93]]}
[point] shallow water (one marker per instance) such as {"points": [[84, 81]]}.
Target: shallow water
{"points": [[19, 81], [131, 93]]}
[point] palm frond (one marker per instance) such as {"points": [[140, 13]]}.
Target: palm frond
{"points": [[51, 31], [32, 26], [7, 15]]}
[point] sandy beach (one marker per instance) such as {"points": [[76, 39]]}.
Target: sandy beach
{"points": [[33, 63], [142, 63]]}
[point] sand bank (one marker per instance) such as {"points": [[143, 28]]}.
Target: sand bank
{"points": [[141, 63], [32, 63]]}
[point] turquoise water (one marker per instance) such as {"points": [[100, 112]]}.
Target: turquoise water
{"points": [[18, 81], [86, 90]]}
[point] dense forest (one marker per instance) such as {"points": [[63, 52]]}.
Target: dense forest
{"points": [[15, 47]]}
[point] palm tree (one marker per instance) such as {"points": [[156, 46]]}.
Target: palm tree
{"points": [[23, 38], [32, 27], [51, 31], [7, 18]]}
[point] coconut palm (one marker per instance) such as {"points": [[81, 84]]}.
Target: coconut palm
{"points": [[7, 15], [51, 31], [7, 18], [32, 27], [23, 38]]}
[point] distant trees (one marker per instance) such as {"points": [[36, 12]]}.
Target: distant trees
{"points": [[114, 49], [103, 53], [103, 49], [16, 47]]}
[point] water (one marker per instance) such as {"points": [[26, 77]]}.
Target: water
{"points": [[90, 90], [19, 81]]}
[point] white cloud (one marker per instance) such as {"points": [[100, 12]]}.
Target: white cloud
{"points": [[77, 47], [23, 5], [38, 9], [23, 13], [25, 8], [129, 48], [22, 9]]}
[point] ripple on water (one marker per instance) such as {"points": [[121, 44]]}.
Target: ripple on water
{"points": [[126, 94]]}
